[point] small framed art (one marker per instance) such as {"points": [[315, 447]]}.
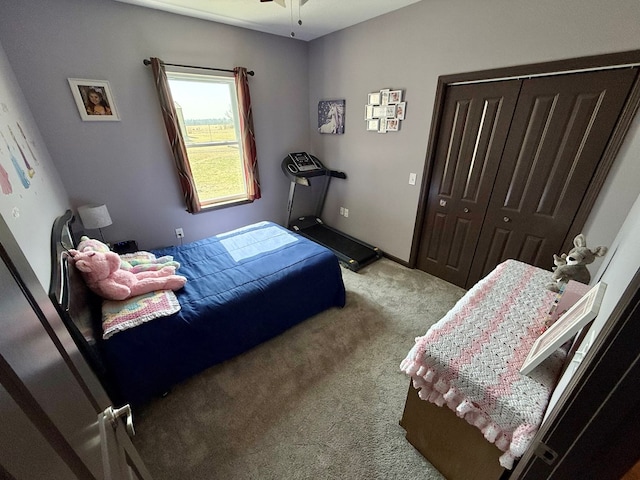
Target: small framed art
{"points": [[368, 112], [395, 96], [582, 312], [390, 111], [373, 124], [374, 98], [331, 116], [379, 111], [94, 100], [393, 124], [384, 96], [400, 109]]}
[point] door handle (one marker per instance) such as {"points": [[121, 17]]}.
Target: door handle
{"points": [[113, 415], [506, 219], [465, 210]]}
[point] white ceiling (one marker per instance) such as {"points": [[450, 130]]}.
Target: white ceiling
{"points": [[319, 17]]}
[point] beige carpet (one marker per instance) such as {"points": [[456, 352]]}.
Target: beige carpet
{"points": [[321, 401]]}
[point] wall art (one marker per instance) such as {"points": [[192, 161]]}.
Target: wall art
{"points": [[94, 100], [331, 116], [384, 110]]}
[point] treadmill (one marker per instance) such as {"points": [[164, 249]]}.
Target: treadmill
{"points": [[302, 168]]}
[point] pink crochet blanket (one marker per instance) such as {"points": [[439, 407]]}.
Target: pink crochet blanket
{"points": [[119, 315], [470, 359]]}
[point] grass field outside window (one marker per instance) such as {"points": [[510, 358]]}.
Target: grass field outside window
{"points": [[207, 113]]}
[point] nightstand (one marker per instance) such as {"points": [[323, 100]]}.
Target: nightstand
{"points": [[128, 246]]}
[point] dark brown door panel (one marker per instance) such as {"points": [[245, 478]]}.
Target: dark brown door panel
{"points": [[472, 137], [560, 128]]}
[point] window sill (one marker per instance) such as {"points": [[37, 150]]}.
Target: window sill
{"points": [[218, 206]]}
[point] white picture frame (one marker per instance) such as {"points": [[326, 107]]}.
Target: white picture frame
{"points": [[390, 111], [387, 106], [581, 313], [368, 112], [400, 110], [393, 124], [395, 96], [373, 124], [373, 98], [379, 111], [94, 100], [384, 96]]}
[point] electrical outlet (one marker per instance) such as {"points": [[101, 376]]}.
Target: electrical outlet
{"points": [[342, 211], [346, 212], [412, 178], [179, 233]]}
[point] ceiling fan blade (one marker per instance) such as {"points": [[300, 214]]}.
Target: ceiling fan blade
{"points": [[282, 2]]}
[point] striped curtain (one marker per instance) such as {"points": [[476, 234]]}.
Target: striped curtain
{"points": [[250, 160], [175, 136]]}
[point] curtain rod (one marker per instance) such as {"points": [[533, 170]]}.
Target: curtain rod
{"points": [[147, 62]]}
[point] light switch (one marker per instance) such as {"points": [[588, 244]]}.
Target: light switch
{"points": [[412, 179]]}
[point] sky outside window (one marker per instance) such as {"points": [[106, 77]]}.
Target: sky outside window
{"points": [[201, 100]]}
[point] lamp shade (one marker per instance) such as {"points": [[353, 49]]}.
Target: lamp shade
{"points": [[94, 216]]}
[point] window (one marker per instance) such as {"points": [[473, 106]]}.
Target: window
{"points": [[238, 104], [207, 112]]}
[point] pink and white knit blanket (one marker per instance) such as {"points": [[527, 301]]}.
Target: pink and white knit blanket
{"points": [[470, 359]]}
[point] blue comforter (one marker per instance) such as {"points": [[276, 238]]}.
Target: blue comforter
{"points": [[244, 287]]}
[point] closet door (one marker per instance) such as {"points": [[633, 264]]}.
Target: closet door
{"points": [[560, 129], [473, 132]]}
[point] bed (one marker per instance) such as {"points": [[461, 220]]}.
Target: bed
{"points": [[468, 409], [244, 287]]}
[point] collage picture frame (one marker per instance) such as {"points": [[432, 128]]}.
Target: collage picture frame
{"points": [[385, 110]]}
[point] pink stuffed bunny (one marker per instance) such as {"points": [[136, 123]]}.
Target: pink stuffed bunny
{"points": [[102, 273]]}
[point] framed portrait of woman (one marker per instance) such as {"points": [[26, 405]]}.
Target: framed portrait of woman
{"points": [[94, 100]]}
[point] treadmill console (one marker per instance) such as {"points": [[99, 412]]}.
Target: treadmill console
{"points": [[303, 162]]}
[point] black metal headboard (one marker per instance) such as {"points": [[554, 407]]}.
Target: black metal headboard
{"points": [[79, 308]]}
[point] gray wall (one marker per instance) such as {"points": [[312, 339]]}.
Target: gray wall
{"points": [[409, 49], [128, 164]]}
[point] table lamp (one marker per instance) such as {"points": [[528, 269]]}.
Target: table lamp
{"points": [[95, 216]]}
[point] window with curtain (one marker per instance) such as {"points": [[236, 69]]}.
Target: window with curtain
{"points": [[210, 129]]}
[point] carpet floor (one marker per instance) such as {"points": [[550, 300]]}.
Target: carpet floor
{"points": [[320, 401]]}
